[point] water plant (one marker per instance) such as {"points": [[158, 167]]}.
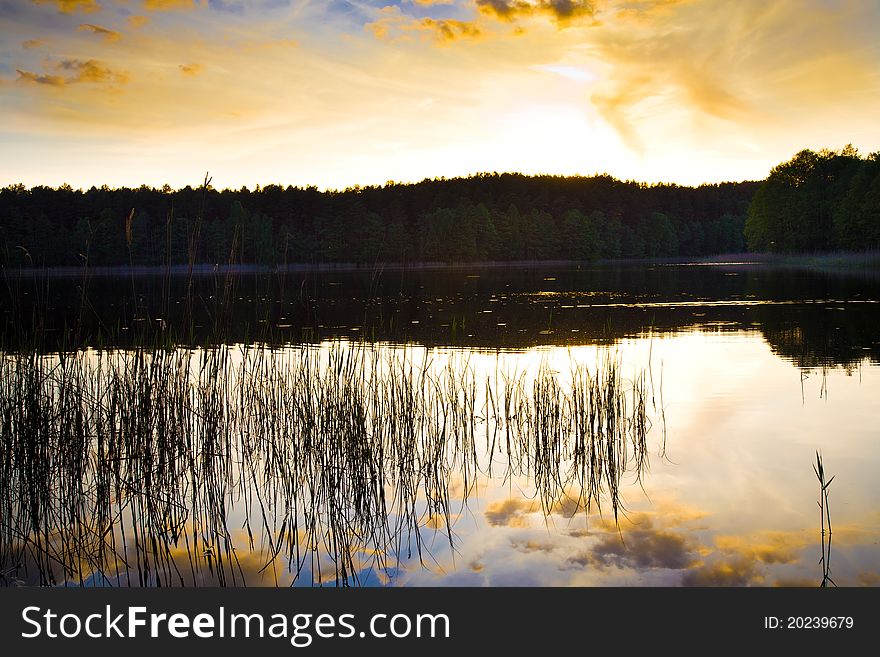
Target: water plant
{"points": [[172, 465], [825, 522]]}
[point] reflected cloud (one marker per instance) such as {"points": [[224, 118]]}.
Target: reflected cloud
{"points": [[857, 532], [736, 571], [767, 547], [640, 548], [741, 560], [509, 513], [568, 506], [677, 514], [435, 521], [795, 582], [869, 579], [659, 540], [671, 536], [533, 546], [666, 512]]}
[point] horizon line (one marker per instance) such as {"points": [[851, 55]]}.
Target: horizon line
{"points": [[389, 183]]}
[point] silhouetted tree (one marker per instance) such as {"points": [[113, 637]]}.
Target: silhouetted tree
{"points": [[483, 217]]}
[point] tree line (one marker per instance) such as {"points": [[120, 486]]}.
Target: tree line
{"points": [[492, 217], [818, 201]]}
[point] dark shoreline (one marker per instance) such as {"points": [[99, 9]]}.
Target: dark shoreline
{"points": [[826, 261], [206, 269]]}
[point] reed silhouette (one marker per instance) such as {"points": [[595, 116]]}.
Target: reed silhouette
{"points": [[825, 522], [170, 466]]}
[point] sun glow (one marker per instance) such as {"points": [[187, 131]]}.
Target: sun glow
{"points": [[304, 93]]}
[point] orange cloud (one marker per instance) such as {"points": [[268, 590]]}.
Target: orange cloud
{"points": [[561, 11], [91, 71], [137, 22], [392, 23], [449, 30], [35, 78], [735, 62], [168, 5], [74, 71], [191, 69], [107, 35], [32, 43], [70, 6], [644, 9]]}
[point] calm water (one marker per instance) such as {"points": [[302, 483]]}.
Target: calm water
{"points": [[749, 371]]}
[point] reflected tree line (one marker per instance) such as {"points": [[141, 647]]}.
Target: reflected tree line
{"points": [[489, 217], [811, 318]]}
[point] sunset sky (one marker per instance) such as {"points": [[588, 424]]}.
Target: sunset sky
{"points": [[337, 93]]}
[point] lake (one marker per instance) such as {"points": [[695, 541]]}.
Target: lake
{"points": [[636, 425]]}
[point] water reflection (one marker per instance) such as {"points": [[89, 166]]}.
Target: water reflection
{"points": [[479, 476], [240, 501], [132, 467], [812, 318]]}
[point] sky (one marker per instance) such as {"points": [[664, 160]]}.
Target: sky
{"points": [[338, 93]]}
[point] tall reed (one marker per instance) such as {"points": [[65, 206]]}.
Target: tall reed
{"points": [[824, 522], [167, 466]]}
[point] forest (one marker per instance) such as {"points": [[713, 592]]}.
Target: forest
{"points": [[482, 218], [816, 202]]}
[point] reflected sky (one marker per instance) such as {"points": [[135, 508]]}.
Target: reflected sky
{"points": [[737, 415], [734, 503]]}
